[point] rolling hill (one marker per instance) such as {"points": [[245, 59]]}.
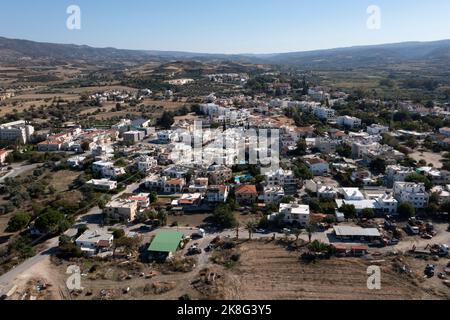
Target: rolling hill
{"points": [[435, 53]]}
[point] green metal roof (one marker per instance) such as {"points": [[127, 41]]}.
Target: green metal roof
{"points": [[166, 241]]}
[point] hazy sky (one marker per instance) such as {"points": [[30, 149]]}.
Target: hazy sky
{"points": [[226, 26]]}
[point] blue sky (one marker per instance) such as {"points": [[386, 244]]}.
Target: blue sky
{"points": [[226, 26]]}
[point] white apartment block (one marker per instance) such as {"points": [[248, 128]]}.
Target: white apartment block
{"points": [[217, 194], [282, 178], [273, 194], [102, 184], [146, 163], [295, 214], [348, 121], [122, 210], [377, 129], [396, 173], [107, 169], [16, 131], [317, 166], [324, 113], [412, 193]]}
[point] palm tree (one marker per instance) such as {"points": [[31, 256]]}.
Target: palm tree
{"points": [[251, 227], [297, 232], [310, 229]]}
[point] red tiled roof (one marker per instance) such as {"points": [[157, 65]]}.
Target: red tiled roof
{"points": [[247, 189], [315, 161]]}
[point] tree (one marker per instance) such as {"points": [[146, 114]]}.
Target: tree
{"points": [[153, 197], [166, 120], [419, 178], [118, 234], [81, 229], [368, 213], [406, 210], [85, 146], [22, 247], [301, 171], [18, 222], [348, 210], [310, 230], [344, 151], [224, 217], [301, 149], [52, 221], [162, 217], [378, 165], [296, 232], [251, 228]]}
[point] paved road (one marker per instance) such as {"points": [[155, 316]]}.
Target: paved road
{"points": [[19, 169]]}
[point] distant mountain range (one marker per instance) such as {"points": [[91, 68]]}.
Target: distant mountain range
{"points": [[434, 53]]}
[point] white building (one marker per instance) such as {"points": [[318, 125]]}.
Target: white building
{"points": [[76, 161], [273, 194], [377, 129], [19, 131], [347, 121], [324, 113], [282, 178], [217, 194], [412, 193], [107, 169], [122, 210], [317, 166], [92, 242], [352, 194], [146, 163], [294, 213], [103, 184], [133, 136]]}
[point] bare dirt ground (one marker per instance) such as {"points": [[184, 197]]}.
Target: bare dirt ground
{"points": [[267, 271], [429, 157]]}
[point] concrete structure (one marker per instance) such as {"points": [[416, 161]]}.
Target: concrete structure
{"points": [[92, 242], [246, 194], [352, 194], [317, 166], [273, 194], [174, 185], [324, 113], [122, 210], [107, 169], [350, 122], [217, 194], [102, 184], [145, 163], [356, 233], [294, 213], [133, 136], [376, 129], [19, 131], [282, 178], [412, 193]]}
